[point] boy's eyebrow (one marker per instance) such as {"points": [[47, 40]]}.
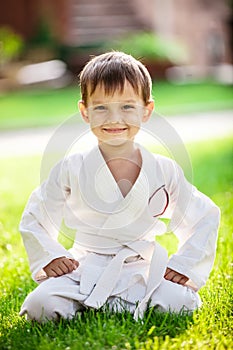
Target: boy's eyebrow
{"points": [[97, 102], [130, 101]]}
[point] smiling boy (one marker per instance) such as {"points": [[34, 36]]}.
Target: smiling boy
{"points": [[114, 196]]}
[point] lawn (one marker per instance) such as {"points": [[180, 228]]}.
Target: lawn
{"points": [[208, 328], [48, 107]]}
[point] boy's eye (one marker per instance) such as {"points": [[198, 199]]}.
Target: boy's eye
{"points": [[99, 108], [128, 107]]}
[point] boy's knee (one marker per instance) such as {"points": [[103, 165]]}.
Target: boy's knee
{"points": [[39, 306], [174, 297], [44, 305]]}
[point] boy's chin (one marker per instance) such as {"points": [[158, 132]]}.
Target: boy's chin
{"points": [[117, 141]]}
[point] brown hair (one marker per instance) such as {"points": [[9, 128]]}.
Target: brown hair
{"points": [[111, 70]]}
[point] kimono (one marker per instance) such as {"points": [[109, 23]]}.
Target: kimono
{"points": [[115, 235]]}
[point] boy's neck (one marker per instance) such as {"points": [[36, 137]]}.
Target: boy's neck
{"points": [[127, 150]]}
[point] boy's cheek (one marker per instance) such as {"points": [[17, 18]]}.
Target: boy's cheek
{"points": [[95, 123]]}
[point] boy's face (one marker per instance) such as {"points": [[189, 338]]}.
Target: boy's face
{"points": [[117, 117]]}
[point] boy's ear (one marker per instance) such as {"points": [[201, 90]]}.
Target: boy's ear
{"points": [[148, 111], [83, 111]]}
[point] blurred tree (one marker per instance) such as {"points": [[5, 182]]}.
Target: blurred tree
{"points": [[149, 46], [11, 45]]}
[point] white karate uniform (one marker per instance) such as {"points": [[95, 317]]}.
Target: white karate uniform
{"points": [[121, 265]]}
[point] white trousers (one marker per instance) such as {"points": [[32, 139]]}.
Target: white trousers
{"points": [[61, 297]]}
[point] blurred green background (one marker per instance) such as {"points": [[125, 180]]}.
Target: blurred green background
{"points": [[186, 46], [45, 107]]}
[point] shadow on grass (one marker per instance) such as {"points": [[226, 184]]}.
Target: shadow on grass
{"points": [[94, 330]]}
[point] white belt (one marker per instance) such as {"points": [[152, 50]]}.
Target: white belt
{"points": [[156, 273], [147, 250]]}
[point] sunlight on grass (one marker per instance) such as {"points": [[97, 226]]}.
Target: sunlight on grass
{"points": [[208, 328]]}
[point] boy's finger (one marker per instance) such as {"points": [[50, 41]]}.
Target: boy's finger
{"points": [[169, 275], [68, 265], [183, 280], [75, 263], [65, 266], [51, 273], [59, 271]]}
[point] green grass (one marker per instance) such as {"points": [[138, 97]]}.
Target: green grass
{"points": [[48, 107], [181, 99], [208, 328]]}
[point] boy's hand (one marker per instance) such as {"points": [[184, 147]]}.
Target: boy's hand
{"points": [[175, 277], [60, 266]]}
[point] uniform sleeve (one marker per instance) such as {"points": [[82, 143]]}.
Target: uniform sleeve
{"points": [[41, 221], [195, 221]]}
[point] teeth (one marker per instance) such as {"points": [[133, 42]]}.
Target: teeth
{"points": [[115, 129]]}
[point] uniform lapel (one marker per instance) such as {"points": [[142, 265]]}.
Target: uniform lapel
{"points": [[123, 218], [131, 217]]}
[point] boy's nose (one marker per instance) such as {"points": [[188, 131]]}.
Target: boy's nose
{"points": [[114, 116]]}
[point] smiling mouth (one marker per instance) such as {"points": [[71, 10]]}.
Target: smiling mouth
{"points": [[114, 130]]}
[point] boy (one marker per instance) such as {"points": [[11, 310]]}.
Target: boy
{"points": [[114, 196]]}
